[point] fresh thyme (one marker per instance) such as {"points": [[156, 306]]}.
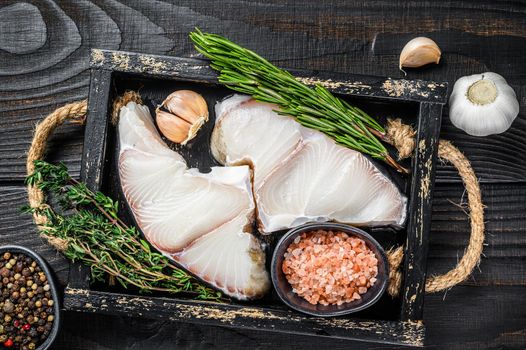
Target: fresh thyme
{"points": [[97, 236], [245, 71]]}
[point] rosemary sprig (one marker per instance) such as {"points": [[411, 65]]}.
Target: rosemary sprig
{"points": [[97, 236], [245, 71]]}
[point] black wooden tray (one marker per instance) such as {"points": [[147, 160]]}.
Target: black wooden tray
{"points": [[396, 321]]}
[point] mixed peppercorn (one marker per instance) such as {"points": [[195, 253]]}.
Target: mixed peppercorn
{"points": [[26, 303]]}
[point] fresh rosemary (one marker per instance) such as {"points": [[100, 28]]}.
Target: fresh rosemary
{"points": [[96, 236], [245, 71]]}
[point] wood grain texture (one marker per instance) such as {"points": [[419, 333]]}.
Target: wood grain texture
{"points": [[361, 38], [349, 37]]}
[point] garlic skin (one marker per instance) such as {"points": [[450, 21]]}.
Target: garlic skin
{"points": [[186, 112], [418, 52], [483, 104]]}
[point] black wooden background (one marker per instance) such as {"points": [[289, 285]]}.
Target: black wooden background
{"points": [[44, 47]]}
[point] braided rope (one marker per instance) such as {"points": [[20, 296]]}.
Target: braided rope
{"points": [[402, 137], [75, 112]]}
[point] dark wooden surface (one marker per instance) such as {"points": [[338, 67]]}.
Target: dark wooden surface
{"points": [[44, 47]]}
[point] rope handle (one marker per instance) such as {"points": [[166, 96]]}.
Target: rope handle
{"points": [[402, 137], [399, 135]]}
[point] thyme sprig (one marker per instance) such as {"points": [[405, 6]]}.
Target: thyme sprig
{"points": [[245, 71], [96, 236]]}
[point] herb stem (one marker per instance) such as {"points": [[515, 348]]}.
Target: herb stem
{"points": [[245, 71]]}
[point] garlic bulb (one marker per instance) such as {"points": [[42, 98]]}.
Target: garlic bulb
{"points": [[186, 112], [418, 52], [483, 104]]}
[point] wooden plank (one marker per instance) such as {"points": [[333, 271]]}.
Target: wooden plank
{"points": [[241, 317], [97, 123], [94, 152], [419, 211], [199, 70]]}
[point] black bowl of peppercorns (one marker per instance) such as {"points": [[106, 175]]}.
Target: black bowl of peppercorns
{"points": [[29, 308]]}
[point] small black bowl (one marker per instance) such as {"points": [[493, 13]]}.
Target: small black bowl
{"points": [[291, 299], [53, 289]]}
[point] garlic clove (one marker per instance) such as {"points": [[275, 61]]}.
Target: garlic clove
{"points": [[173, 128], [186, 112], [418, 52], [483, 104], [187, 104]]}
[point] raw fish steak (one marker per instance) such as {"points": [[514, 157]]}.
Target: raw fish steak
{"points": [[301, 175], [201, 221]]}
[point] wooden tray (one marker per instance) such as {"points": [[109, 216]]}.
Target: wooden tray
{"points": [[395, 321]]}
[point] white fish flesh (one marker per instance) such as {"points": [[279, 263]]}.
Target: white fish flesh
{"points": [[202, 221], [301, 175]]}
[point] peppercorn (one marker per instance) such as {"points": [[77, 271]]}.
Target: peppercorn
{"points": [[42, 320], [19, 265], [31, 346], [8, 343], [33, 333], [7, 318], [25, 272], [15, 296], [26, 327], [4, 272], [38, 303], [40, 329], [8, 306], [29, 283], [7, 256]]}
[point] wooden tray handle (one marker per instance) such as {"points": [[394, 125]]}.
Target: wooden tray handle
{"points": [[399, 135]]}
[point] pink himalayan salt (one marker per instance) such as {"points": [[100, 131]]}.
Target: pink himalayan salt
{"points": [[329, 268]]}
